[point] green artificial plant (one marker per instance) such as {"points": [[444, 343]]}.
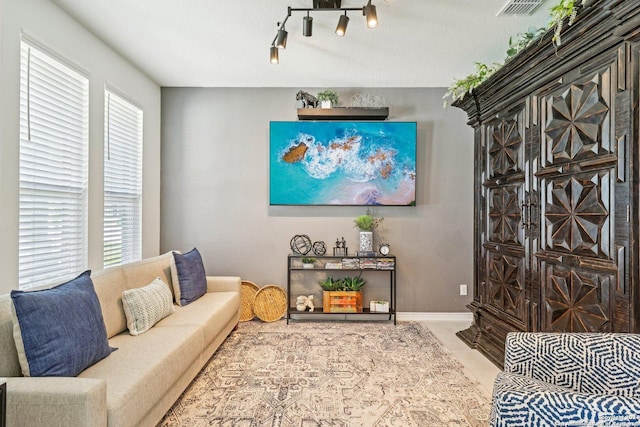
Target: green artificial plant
{"points": [[329, 284], [328, 95], [367, 222], [353, 283], [564, 10]]}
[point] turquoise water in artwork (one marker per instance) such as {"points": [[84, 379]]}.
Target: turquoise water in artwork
{"points": [[342, 163]]}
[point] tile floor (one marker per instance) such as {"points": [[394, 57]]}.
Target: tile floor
{"points": [[476, 366]]}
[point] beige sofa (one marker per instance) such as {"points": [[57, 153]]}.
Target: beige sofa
{"points": [[138, 383]]}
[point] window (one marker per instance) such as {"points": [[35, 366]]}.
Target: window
{"points": [[122, 180], [54, 117]]}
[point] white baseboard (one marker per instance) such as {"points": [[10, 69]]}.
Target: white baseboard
{"points": [[452, 317]]}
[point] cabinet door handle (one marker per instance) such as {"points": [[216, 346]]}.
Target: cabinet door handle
{"points": [[524, 207]]}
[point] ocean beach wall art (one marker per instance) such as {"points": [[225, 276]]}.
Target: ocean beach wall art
{"points": [[343, 163]]}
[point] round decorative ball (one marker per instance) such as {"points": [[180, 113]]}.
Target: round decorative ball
{"points": [[319, 248], [300, 244]]}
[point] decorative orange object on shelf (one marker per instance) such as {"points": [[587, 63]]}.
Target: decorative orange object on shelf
{"points": [[342, 301]]}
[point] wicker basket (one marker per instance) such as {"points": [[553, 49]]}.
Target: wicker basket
{"points": [[270, 303], [248, 291]]}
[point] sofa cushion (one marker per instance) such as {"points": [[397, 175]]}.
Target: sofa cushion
{"points": [[147, 305], [110, 283], [188, 277], [59, 331], [211, 313], [144, 368]]}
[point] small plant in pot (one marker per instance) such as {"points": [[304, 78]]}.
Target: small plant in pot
{"points": [[307, 262], [354, 284], [328, 98], [343, 295], [380, 306], [330, 284], [366, 224]]}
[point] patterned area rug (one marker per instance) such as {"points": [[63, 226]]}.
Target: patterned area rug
{"points": [[321, 374]]}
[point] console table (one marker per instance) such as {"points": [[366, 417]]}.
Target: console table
{"points": [[379, 264]]}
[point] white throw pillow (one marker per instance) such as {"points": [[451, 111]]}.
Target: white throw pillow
{"points": [[146, 306]]}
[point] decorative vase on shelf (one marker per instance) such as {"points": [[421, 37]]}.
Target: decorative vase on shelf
{"points": [[366, 241], [307, 265], [325, 103]]}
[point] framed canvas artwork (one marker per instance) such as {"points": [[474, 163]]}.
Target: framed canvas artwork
{"points": [[343, 163]]}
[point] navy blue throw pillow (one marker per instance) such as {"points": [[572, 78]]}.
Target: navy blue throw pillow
{"points": [[61, 330], [192, 278]]}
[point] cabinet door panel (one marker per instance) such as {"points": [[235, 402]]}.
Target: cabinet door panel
{"points": [[505, 215], [503, 232], [506, 285], [576, 214], [577, 119], [575, 299], [505, 144], [578, 193]]}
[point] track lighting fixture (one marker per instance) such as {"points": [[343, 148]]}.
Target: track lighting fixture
{"points": [[341, 29], [274, 55], [307, 25], [371, 15], [280, 40]]}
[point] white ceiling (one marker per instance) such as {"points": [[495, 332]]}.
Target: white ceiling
{"points": [[225, 43]]}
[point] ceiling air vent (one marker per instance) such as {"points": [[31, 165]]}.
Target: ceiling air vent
{"points": [[520, 7]]}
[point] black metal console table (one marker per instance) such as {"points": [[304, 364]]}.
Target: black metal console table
{"points": [[380, 264]]}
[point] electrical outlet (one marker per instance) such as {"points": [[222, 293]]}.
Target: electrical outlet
{"points": [[463, 289]]}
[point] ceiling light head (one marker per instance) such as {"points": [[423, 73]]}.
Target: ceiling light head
{"points": [[341, 29], [281, 38], [274, 59], [370, 15], [307, 26]]}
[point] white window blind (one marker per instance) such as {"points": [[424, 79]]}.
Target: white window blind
{"points": [[54, 118], [122, 181]]}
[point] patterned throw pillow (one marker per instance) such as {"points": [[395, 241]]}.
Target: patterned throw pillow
{"points": [[188, 277], [59, 331], [146, 306]]}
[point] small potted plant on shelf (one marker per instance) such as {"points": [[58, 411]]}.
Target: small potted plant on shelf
{"points": [[328, 98], [366, 224], [307, 262], [343, 295], [330, 284], [379, 306]]}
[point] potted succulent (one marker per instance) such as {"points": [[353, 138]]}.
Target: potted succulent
{"points": [[330, 284], [307, 262], [343, 295], [328, 98], [366, 224]]}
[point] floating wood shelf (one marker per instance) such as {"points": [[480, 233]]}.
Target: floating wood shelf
{"points": [[343, 113]]}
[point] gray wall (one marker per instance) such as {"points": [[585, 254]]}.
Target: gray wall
{"points": [[215, 146]]}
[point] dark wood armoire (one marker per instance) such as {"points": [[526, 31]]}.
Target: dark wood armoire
{"points": [[556, 184]]}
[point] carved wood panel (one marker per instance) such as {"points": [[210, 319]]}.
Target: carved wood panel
{"points": [[577, 119], [506, 145], [505, 215], [576, 300], [576, 214], [506, 284]]}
